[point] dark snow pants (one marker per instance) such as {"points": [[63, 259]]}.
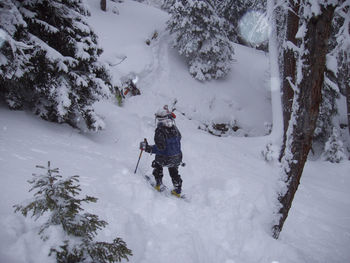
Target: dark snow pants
{"points": [[173, 172]]}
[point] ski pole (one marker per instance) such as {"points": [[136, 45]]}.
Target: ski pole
{"points": [[137, 165], [138, 161]]}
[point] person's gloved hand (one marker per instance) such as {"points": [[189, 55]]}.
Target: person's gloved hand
{"points": [[148, 149], [145, 147]]}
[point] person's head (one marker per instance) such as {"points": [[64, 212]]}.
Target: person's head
{"points": [[164, 117]]}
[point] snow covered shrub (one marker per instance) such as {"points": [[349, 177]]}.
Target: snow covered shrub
{"points": [[154, 37], [270, 153], [59, 76], [223, 128], [268, 127], [334, 150], [200, 37], [57, 197]]}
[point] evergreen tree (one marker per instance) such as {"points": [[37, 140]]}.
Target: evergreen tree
{"points": [[334, 150], [199, 36], [57, 197], [62, 77], [336, 77], [16, 50], [167, 4], [341, 26]]}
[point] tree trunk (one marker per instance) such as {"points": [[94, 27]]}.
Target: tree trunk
{"points": [[345, 72], [289, 69], [276, 134], [305, 108], [348, 102], [103, 4]]}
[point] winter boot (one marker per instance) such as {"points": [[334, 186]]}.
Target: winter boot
{"points": [[177, 187], [177, 181], [160, 187], [176, 192]]}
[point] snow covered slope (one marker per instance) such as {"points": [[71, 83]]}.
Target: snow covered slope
{"points": [[242, 97], [232, 189]]}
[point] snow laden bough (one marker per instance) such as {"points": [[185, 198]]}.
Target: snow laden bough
{"points": [[56, 75]]}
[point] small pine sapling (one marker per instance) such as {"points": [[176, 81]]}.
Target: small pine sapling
{"points": [[57, 196], [334, 149]]}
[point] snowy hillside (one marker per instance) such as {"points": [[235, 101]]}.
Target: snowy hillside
{"points": [[216, 101], [232, 190]]}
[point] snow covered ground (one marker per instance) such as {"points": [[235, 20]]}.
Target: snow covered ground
{"points": [[232, 189]]}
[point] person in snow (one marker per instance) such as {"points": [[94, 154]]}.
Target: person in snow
{"points": [[167, 149]]}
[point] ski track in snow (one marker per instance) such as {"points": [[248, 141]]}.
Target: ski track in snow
{"points": [[158, 71], [231, 189]]}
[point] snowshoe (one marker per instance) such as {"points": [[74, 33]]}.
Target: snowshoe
{"points": [[159, 187], [177, 193], [165, 190]]}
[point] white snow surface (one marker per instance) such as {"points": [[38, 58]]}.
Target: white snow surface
{"points": [[232, 190]]}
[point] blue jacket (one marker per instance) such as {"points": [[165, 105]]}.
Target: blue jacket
{"points": [[167, 146]]}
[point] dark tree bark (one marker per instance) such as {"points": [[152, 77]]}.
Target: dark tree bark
{"points": [[289, 69], [348, 100], [308, 98], [344, 81], [103, 4]]}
